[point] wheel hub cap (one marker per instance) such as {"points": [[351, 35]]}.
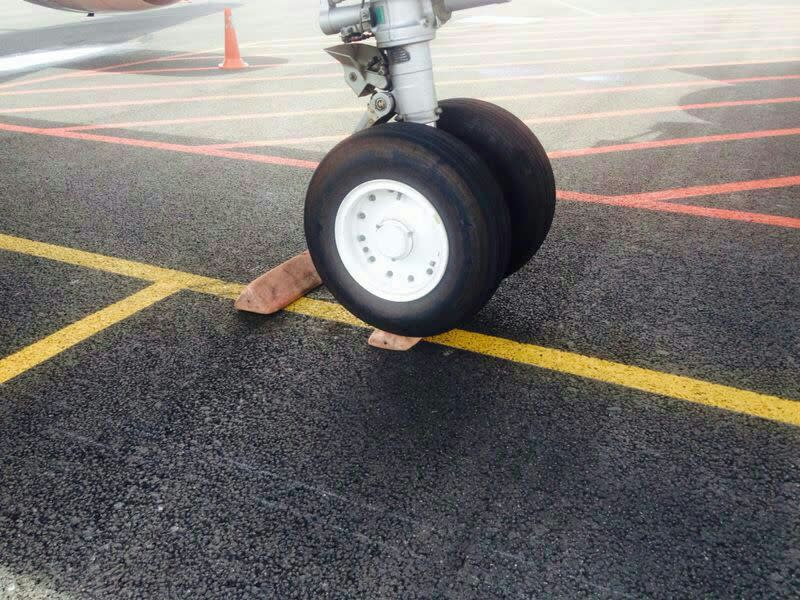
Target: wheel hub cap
{"points": [[394, 239], [391, 240]]}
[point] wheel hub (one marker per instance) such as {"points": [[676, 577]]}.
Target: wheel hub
{"points": [[391, 240], [394, 239]]}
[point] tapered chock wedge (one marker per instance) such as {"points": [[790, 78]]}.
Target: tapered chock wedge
{"points": [[278, 288], [390, 341]]}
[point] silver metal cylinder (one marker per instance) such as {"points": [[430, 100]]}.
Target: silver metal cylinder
{"points": [[332, 19], [411, 72]]}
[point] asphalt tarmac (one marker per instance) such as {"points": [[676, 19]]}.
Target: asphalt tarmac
{"points": [[621, 420]]}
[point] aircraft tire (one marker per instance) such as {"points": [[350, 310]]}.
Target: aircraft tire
{"points": [[519, 163], [402, 224]]}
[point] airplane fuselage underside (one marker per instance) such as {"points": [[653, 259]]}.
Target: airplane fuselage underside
{"points": [[99, 6]]}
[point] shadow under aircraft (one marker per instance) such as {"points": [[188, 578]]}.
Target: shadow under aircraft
{"points": [[92, 43]]}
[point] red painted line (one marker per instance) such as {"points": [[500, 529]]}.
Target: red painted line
{"points": [[304, 113], [647, 201], [707, 139], [599, 57], [473, 66], [176, 69], [153, 145], [650, 69], [229, 80], [172, 101], [211, 119], [660, 109], [708, 190], [91, 72], [642, 201], [226, 97]]}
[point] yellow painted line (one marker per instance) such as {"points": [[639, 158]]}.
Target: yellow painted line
{"points": [[655, 382], [100, 262], [697, 391], [46, 348]]}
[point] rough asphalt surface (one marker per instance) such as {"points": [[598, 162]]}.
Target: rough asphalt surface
{"points": [[193, 452]]}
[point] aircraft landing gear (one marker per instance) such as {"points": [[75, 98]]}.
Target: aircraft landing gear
{"points": [[413, 224]]}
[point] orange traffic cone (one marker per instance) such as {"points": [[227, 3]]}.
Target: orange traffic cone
{"points": [[233, 60]]}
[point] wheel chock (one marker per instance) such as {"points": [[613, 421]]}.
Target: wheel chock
{"points": [[279, 287], [390, 341], [291, 280]]}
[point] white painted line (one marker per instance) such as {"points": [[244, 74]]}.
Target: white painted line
{"points": [[580, 9], [44, 58], [493, 20]]}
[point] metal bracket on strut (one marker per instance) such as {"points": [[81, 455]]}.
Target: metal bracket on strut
{"points": [[364, 67]]}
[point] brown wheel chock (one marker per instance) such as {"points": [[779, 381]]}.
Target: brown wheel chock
{"points": [[291, 280]]}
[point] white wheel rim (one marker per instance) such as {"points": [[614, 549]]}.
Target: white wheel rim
{"points": [[391, 240]]}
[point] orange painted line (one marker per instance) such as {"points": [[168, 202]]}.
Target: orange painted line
{"points": [[472, 66], [707, 139], [649, 69], [279, 142], [655, 30], [660, 109], [212, 119], [642, 87], [304, 113], [324, 91], [565, 75], [150, 85], [648, 201], [659, 36], [511, 39], [153, 145], [172, 101], [596, 57], [555, 154], [708, 190], [644, 202], [527, 49], [191, 69], [522, 37], [91, 72]]}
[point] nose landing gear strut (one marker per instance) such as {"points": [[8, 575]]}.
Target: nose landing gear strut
{"points": [[412, 223]]}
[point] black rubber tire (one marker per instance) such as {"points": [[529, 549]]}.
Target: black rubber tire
{"points": [[461, 188], [519, 164]]}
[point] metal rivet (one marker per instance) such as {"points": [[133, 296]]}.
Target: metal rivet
{"points": [[433, 263], [362, 216], [372, 197], [429, 271], [371, 259], [361, 238], [366, 250], [389, 273], [411, 278]]}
